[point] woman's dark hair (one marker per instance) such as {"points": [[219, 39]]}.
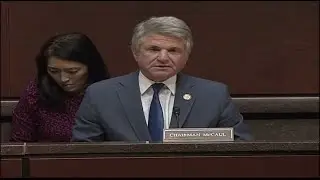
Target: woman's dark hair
{"points": [[70, 46]]}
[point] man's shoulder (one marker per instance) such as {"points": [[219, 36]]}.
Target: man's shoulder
{"points": [[109, 83], [206, 83], [209, 89]]}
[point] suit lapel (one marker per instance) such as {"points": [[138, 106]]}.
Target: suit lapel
{"points": [[184, 99], [129, 95]]}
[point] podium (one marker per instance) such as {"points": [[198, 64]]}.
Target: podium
{"points": [[119, 159]]}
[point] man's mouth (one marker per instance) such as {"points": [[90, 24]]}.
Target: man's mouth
{"points": [[162, 66]]}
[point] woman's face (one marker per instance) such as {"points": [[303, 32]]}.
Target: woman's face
{"points": [[71, 76]]}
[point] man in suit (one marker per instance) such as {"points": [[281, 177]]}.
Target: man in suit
{"points": [[138, 106]]}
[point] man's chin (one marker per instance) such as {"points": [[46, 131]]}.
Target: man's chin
{"points": [[161, 76]]}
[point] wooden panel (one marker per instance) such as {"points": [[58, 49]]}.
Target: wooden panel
{"points": [[11, 168], [252, 166], [254, 47], [108, 24], [219, 166], [106, 167], [5, 64]]}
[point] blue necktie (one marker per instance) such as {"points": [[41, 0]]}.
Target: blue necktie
{"points": [[155, 124]]}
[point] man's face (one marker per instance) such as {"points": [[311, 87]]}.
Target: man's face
{"points": [[161, 57]]}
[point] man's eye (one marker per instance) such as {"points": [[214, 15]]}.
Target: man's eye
{"points": [[172, 50], [154, 49]]}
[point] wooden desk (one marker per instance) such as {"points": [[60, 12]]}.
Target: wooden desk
{"points": [[11, 160], [237, 159]]}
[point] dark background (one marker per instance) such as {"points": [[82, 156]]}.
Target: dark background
{"points": [[257, 48]]}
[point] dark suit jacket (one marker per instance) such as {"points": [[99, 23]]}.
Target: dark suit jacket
{"points": [[111, 110]]}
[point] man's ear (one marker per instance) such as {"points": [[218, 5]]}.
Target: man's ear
{"points": [[135, 54]]}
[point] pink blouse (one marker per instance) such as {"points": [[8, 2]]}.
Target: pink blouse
{"points": [[32, 122]]}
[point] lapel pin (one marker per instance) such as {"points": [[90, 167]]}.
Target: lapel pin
{"points": [[186, 96]]}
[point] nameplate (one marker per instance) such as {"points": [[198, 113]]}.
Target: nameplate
{"points": [[198, 134]]}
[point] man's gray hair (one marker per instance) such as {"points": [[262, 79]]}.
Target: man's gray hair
{"points": [[166, 25]]}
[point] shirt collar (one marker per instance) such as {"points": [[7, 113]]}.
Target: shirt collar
{"points": [[145, 83]]}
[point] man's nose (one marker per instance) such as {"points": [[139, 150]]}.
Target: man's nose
{"points": [[163, 55]]}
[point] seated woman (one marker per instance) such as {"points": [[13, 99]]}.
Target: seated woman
{"points": [[66, 65]]}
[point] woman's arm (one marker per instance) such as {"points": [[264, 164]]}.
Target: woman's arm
{"points": [[24, 117]]}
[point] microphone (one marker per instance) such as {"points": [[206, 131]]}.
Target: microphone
{"points": [[176, 112]]}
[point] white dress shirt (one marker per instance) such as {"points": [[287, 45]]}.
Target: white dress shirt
{"points": [[166, 96]]}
